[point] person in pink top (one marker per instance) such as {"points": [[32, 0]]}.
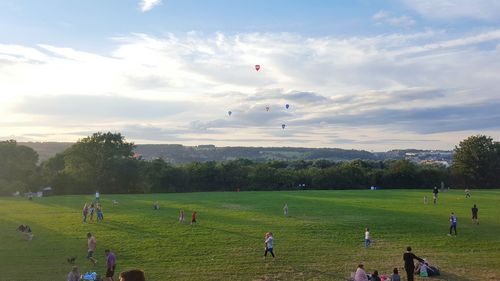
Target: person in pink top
{"points": [[91, 246], [360, 274]]}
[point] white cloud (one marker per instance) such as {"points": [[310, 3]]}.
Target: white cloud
{"points": [[387, 18], [488, 10], [175, 87], [147, 5]]}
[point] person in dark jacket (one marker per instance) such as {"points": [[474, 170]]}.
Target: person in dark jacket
{"points": [[409, 257]]}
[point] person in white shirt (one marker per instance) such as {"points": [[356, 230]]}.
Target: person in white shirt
{"points": [[269, 244], [367, 238], [97, 196], [285, 210]]}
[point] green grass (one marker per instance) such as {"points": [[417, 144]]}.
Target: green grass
{"points": [[321, 240]]}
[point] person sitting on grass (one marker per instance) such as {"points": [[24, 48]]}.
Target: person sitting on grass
{"points": [[74, 274], [360, 274], [375, 276], [395, 275], [132, 275], [26, 230]]}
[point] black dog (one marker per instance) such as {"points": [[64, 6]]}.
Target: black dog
{"points": [[71, 260]]}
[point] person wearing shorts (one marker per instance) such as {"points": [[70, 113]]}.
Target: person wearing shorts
{"points": [[110, 264], [91, 246]]}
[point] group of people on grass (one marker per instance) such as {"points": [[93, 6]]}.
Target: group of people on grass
{"points": [[132, 275], [421, 268], [129, 275], [90, 209]]}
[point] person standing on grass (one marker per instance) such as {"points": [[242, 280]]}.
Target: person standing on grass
{"points": [[453, 223], [435, 193], [100, 215], [467, 193], [193, 218], [110, 264], [474, 214], [285, 210], [85, 212], [97, 196], [268, 244], [181, 216], [91, 211], [91, 246], [74, 274], [408, 257], [132, 275], [367, 238], [360, 274]]}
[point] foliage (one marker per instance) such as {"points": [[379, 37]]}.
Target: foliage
{"points": [[105, 162], [18, 168], [476, 162]]}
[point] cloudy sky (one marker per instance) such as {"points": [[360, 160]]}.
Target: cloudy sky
{"points": [[360, 74]]}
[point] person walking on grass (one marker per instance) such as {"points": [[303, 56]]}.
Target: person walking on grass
{"points": [[435, 193], [91, 246], [367, 238], [408, 258], [475, 210], [268, 244], [467, 193], [110, 264], [285, 210], [453, 223], [181, 216], [193, 218]]}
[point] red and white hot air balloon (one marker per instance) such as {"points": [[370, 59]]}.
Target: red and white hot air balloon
{"points": [[257, 67]]}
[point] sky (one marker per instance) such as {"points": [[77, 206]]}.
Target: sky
{"points": [[357, 74]]}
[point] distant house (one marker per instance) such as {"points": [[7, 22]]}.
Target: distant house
{"points": [[46, 191]]}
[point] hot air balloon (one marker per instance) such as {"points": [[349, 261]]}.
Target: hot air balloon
{"points": [[283, 126], [287, 106], [229, 113], [267, 107], [257, 67]]}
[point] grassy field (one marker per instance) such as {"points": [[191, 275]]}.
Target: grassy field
{"points": [[321, 240]]}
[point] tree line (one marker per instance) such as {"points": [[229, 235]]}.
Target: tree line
{"points": [[106, 162]]}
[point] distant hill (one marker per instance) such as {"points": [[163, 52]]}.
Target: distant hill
{"points": [[177, 153]]}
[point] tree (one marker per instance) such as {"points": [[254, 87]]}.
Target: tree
{"points": [[96, 162], [476, 162], [18, 167]]}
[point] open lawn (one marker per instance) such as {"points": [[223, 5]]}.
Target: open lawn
{"points": [[321, 240]]}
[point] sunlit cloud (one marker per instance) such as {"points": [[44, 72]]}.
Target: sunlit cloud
{"points": [[429, 85], [147, 5]]}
